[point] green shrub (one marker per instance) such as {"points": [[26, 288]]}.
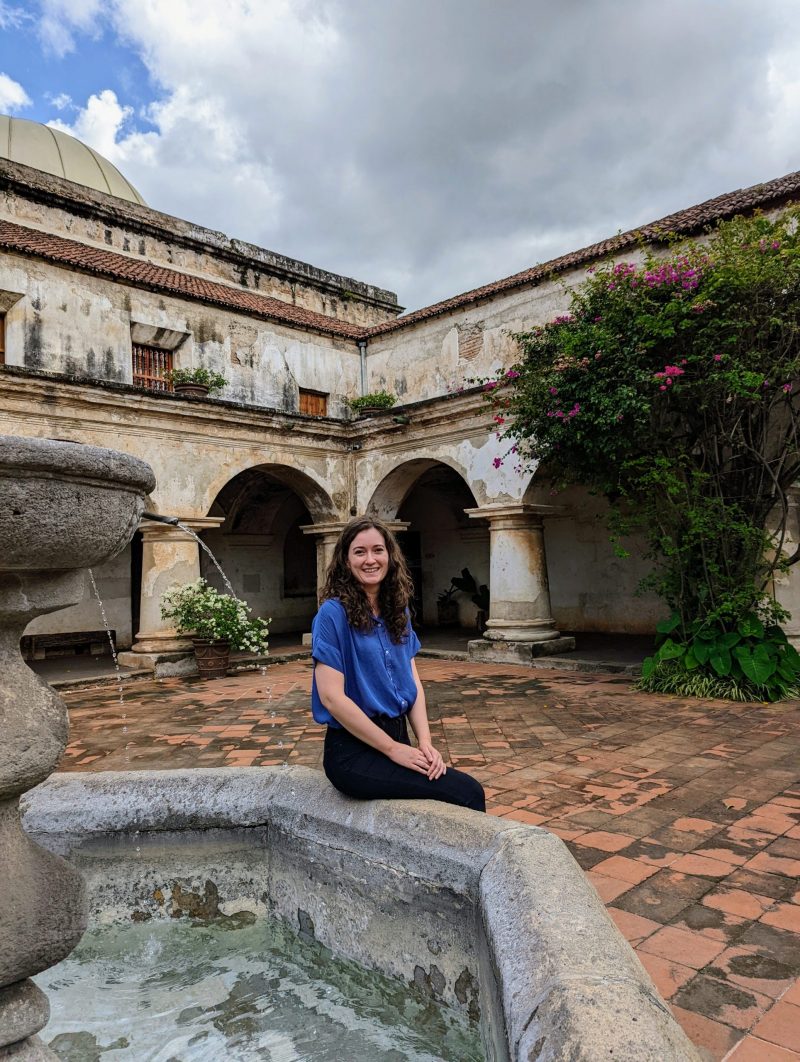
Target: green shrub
{"points": [[752, 662], [375, 400], [214, 381]]}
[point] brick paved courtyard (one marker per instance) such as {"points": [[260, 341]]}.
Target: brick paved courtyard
{"points": [[684, 815]]}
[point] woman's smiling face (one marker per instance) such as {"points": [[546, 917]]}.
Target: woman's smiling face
{"points": [[368, 559]]}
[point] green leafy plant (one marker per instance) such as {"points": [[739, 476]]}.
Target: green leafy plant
{"points": [[750, 662], [375, 400], [467, 584], [671, 388], [214, 381], [200, 610], [444, 597]]}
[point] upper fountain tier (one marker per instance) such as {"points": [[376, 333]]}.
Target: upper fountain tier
{"points": [[66, 506]]}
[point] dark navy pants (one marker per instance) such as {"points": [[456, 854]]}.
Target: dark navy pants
{"points": [[358, 770]]}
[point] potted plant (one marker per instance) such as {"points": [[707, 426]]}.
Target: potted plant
{"points": [[479, 595], [375, 402], [195, 383], [216, 622], [447, 607]]}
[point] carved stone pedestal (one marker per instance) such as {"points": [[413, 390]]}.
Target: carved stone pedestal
{"points": [[63, 508]]}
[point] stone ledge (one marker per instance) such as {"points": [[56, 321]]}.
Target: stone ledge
{"points": [[501, 652], [557, 980]]}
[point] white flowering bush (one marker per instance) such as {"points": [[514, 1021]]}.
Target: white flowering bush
{"points": [[200, 610]]}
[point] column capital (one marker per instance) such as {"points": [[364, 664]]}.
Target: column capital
{"points": [[335, 528], [514, 514], [156, 532]]}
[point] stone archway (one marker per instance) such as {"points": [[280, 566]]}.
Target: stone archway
{"points": [[440, 540], [259, 543]]}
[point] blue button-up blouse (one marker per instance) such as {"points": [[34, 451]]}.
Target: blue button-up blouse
{"points": [[377, 671]]}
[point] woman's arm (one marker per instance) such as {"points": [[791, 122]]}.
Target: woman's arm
{"points": [[330, 686], [418, 717]]}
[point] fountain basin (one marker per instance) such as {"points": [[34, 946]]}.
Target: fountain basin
{"points": [[491, 917], [66, 505]]}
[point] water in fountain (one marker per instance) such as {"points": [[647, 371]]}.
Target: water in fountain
{"points": [[114, 656], [213, 559], [238, 987]]}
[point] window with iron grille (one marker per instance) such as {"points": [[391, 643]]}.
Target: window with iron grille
{"points": [[314, 403], [2, 339], [149, 366]]}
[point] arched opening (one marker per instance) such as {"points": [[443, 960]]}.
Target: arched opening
{"points": [[441, 540], [270, 563]]}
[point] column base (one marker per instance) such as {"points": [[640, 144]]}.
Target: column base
{"points": [[538, 630], [512, 652], [163, 665]]}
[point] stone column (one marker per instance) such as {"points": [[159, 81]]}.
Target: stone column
{"points": [[786, 587], [170, 558], [520, 624]]}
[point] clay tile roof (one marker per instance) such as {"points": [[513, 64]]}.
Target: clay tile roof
{"points": [[144, 274], [775, 193]]}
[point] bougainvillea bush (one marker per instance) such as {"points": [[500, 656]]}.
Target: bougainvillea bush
{"points": [[671, 388]]}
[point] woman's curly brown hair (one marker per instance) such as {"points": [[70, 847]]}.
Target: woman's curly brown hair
{"points": [[396, 590]]}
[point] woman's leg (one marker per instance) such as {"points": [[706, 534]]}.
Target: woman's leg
{"points": [[357, 770]]}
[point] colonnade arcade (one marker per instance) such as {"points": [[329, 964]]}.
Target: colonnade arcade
{"points": [[273, 529]]}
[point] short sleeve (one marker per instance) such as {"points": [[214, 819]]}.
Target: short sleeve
{"points": [[413, 642], [326, 641]]}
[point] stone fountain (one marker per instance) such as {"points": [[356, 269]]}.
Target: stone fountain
{"points": [[489, 916], [63, 508]]}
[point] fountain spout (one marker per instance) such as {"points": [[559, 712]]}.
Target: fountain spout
{"points": [[159, 519]]}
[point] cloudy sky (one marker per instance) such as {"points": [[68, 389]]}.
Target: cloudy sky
{"points": [[427, 146]]}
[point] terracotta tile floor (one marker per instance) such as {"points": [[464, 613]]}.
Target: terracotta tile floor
{"points": [[684, 815]]}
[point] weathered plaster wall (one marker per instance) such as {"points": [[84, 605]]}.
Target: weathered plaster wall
{"points": [[437, 356], [591, 589], [114, 584], [145, 234], [75, 323]]}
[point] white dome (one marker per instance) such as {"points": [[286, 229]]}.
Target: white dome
{"points": [[52, 151]]}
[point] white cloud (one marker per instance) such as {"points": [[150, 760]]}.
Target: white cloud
{"points": [[13, 96], [433, 147], [61, 102], [60, 20]]}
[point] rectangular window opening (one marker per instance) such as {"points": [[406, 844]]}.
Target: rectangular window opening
{"points": [[150, 364], [313, 403], [2, 338]]}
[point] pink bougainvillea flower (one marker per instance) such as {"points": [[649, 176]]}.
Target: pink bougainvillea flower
{"points": [[662, 387], [553, 390], [787, 388], [717, 357], [490, 385], [512, 374], [497, 462]]}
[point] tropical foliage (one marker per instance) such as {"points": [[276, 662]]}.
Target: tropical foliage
{"points": [[671, 388]]}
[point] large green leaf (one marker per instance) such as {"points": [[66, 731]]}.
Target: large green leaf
{"points": [[648, 666], [701, 651], [670, 650], [729, 640], [667, 626], [721, 662], [759, 666], [792, 655]]}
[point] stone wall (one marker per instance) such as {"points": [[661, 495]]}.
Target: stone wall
{"points": [[42, 201], [81, 325]]}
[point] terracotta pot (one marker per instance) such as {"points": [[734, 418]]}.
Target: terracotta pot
{"points": [[212, 657], [190, 390]]}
